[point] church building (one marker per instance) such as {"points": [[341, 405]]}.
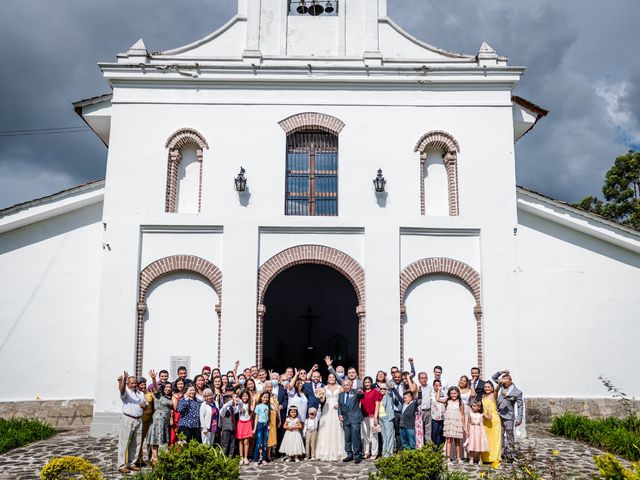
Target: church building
{"points": [[307, 180]]}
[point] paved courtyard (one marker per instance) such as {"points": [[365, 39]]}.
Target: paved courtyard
{"points": [[24, 463]]}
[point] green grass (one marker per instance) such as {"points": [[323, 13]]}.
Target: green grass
{"points": [[20, 431], [620, 436]]}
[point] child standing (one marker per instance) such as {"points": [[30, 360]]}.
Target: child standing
{"points": [[292, 444], [453, 422], [261, 427], [228, 425], [476, 435], [243, 430], [310, 432], [437, 414], [408, 422]]}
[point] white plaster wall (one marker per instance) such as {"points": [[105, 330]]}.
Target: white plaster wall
{"points": [[168, 241], [274, 243], [577, 312], [436, 194], [440, 326], [188, 181], [309, 36], [49, 309], [426, 244], [180, 320]]}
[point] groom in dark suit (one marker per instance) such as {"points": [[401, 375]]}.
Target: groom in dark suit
{"points": [[351, 417]]}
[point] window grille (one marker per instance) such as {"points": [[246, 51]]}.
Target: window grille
{"points": [[312, 174]]}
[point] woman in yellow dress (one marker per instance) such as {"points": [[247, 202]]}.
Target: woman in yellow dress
{"points": [[492, 426], [274, 420]]}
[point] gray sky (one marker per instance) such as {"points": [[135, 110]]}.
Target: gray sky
{"points": [[582, 59]]}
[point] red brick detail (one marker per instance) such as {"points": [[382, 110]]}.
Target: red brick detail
{"points": [[437, 139], [178, 140], [165, 266], [445, 142], [442, 266], [318, 121], [186, 136], [318, 254]]}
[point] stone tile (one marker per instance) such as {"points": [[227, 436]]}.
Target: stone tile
{"points": [[575, 459]]}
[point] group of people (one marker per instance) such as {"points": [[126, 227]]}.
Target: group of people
{"points": [[263, 414]]}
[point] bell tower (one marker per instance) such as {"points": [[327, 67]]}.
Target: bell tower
{"points": [[310, 29]]}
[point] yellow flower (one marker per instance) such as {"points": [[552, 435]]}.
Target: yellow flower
{"points": [[555, 453], [482, 474]]}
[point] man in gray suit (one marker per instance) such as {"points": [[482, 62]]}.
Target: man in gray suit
{"points": [[509, 397], [350, 415]]}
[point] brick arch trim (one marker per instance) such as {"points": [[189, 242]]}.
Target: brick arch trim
{"points": [[318, 254], [186, 136], [446, 142], [443, 266], [165, 266], [321, 255], [315, 120], [437, 139], [178, 140], [440, 265]]}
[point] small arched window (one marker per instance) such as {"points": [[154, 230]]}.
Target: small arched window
{"points": [[184, 171], [312, 173]]}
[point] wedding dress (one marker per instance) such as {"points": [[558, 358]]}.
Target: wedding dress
{"points": [[330, 446]]}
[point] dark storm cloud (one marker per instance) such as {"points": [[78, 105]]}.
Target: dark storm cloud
{"points": [[580, 59]]}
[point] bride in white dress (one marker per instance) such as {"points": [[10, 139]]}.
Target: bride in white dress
{"points": [[330, 446]]}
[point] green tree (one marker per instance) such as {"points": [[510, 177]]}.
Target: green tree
{"points": [[621, 191]]}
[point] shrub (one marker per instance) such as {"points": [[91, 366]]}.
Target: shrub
{"points": [[619, 436], [194, 461], [612, 469], [63, 468], [426, 463], [17, 432]]}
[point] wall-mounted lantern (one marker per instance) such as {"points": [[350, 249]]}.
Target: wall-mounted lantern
{"points": [[379, 182], [240, 181]]}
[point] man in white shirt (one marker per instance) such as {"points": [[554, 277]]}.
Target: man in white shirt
{"points": [[133, 403], [437, 375], [424, 398], [261, 380]]}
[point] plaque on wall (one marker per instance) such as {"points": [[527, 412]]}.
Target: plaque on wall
{"points": [[179, 361]]}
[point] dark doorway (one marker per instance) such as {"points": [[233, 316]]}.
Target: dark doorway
{"points": [[311, 312]]}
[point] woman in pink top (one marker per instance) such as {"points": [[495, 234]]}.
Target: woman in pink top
{"points": [[368, 406]]}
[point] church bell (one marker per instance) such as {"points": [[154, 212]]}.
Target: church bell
{"points": [[315, 8], [329, 7], [302, 8]]}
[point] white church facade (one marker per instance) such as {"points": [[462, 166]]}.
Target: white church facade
{"points": [[244, 164]]}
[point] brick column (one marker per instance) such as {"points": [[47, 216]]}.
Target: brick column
{"points": [[477, 312], [172, 181], [451, 165], [142, 308], [362, 340], [403, 320], [219, 313], [423, 159], [260, 334], [200, 156]]}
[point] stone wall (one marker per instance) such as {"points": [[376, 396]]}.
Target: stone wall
{"points": [[542, 410], [58, 413]]}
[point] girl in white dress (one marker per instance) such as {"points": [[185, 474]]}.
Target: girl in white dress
{"points": [[330, 447], [292, 443]]}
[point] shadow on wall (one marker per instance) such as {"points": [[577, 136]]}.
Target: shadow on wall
{"points": [[579, 239], [52, 227]]}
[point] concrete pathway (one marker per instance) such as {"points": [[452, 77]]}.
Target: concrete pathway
{"points": [[574, 459]]}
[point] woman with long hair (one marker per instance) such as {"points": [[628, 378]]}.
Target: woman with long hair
{"points": [[159, 435], [330, 446], [368, 407], [492, 426], [178, 392]]}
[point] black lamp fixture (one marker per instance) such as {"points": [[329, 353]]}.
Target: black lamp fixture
{"points": [[379, 182], [240, 181]]}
